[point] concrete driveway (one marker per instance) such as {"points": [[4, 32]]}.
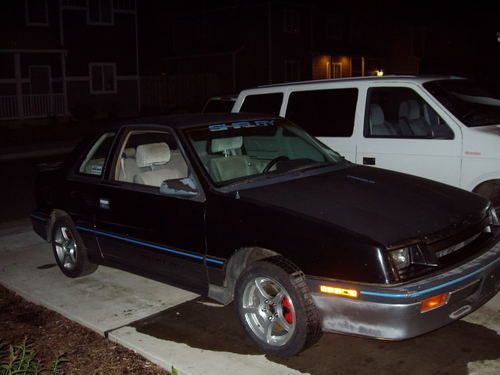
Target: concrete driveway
{"points": [[172, 327]]}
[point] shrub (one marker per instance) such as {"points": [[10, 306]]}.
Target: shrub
{"points": [[22, 359]]}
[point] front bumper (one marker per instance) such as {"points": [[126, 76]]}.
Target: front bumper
{"points": [[393, 313]]}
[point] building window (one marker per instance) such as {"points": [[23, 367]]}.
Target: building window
{"points": [[102, 78], [292, 70], [291, 22], [36, 13], [100, 12]]}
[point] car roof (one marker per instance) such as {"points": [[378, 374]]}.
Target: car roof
{"points": [[388, 78], [194, 120], [224, 98]]}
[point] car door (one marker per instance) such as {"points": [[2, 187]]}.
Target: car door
{"points": [[143, 229], [80, 193], [404, 133]]}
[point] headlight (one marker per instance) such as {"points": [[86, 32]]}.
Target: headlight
{"points": [[493, 216], [401, 258]]}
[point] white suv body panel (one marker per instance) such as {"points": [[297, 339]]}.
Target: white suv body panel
{"points": [[469, 159]]}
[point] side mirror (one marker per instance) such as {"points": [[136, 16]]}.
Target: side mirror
{"points": [[180, 187]]}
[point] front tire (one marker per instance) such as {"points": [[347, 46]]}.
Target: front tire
{"points": [[69, 251], [275, 307]]}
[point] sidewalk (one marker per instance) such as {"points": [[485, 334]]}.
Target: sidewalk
{"points": [[110, 301]]}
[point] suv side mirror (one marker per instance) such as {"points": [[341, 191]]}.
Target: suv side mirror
{"points": [[180, 187]]}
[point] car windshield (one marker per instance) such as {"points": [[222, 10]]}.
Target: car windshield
{"points": [[248, 150], [467, 101]]}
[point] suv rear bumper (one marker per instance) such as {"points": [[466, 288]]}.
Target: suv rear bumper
{"points": [[393, 313]]}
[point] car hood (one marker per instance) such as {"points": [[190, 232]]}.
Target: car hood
{"points": [[388, 207]]}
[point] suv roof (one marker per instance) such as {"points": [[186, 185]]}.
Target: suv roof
{"points": [[419, 78]]}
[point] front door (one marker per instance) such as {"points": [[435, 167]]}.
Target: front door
{"points": [[402, 132], [143, 229]]}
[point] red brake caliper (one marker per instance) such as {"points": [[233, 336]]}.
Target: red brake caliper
{"points": [[287, 312]]}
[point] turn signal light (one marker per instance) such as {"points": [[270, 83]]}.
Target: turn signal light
{"points": [[433, 302], [353, 293]]}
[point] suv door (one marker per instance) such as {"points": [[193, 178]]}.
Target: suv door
{"points": [[142, 228], [403, 132]]}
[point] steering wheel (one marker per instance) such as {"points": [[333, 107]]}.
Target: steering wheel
{"points": [[273, 162]]}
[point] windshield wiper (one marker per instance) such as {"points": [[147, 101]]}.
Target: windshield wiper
{"points": [[310, 166]]}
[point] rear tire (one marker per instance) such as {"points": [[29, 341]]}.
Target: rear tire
{"points": [[69, 251], [275, 307]]}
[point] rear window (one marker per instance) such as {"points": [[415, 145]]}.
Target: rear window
{"points": [[327, 113], [263, 103]]}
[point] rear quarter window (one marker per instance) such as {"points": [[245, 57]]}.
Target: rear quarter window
{"points": [[327, 113], [93, 163], [263, 103]]}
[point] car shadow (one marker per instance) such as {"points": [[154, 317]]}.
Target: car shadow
{"points": [[204, 325]]}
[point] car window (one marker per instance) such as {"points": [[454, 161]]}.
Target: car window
{"points": [[96, 157], [263, 103], [149, 158], [328, 113], [399, 112], [251, 149]]}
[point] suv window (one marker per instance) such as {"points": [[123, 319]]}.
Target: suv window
{"points": [[399, 112], [328, 113], [94, 161], [263, 103]]}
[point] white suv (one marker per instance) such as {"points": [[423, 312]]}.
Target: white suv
{"points": [[443, 128]]}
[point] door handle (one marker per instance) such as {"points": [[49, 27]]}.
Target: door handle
{"points": [[369, 161], [104, 203]]}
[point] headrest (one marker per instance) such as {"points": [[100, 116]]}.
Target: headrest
{"points": [[376, 115], [129, 152], [152, 154], [223, 144], [409, 109]]}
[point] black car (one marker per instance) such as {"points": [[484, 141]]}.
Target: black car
{"points": [[253, 209]]}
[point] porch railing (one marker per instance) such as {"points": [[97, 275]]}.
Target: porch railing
{"points": [[33, 106]]}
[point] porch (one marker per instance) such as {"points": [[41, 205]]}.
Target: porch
{"points": [[19, 107]]}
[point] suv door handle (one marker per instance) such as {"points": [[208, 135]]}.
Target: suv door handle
{"points": [[369, 161], [104, 203]]}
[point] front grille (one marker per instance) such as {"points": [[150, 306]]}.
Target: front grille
{"points": [[442, 251], [451, 249]]}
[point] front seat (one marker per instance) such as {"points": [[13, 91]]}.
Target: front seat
{"points": [[410, 115], [156, 157], [232, 164], [378, 125]]}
